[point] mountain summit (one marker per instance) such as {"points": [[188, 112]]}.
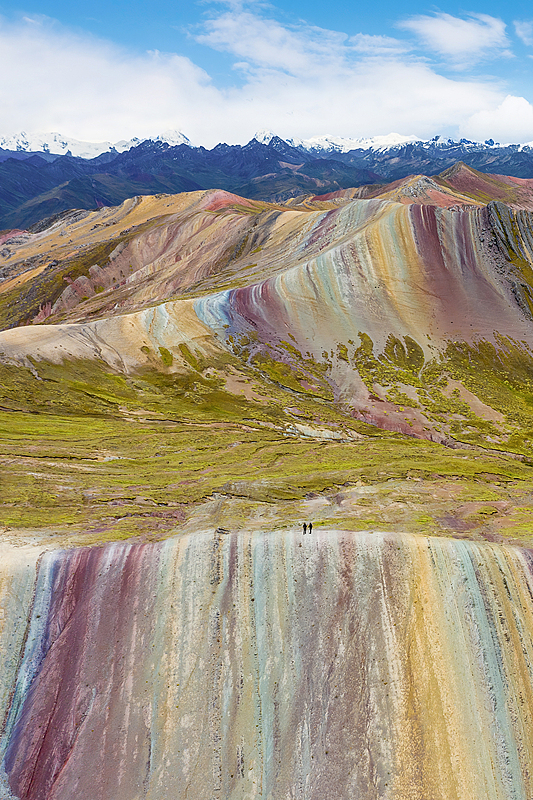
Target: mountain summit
{"points": [[57, 144]]}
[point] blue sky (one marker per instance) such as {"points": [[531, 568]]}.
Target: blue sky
{"points": [[219, 71]]}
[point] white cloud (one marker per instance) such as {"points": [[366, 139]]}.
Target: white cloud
{"points": [[524, 31], [52, 79], [268, 44], [462, 41], [378, 45], [296, 80], [510, 121]]}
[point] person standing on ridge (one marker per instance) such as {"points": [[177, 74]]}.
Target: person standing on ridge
{"points": [[310, 527], [305, 528]]}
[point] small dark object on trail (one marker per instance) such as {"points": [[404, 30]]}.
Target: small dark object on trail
{"points": [[221, 530]]}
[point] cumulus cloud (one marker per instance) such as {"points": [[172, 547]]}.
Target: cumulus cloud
{"points": [[461, 41], [297, 80], [524, 31], [53, 79], [511, 121]]}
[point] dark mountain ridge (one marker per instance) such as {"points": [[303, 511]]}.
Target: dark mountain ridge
{"points": [[34, 186]]}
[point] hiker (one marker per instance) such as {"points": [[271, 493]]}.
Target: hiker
{"points": [[310, 527], [305, 528]]}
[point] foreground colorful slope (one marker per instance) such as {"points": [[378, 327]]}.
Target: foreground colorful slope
{"points": [[200, 667]]}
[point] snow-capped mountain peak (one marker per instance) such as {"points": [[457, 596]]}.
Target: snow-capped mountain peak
{"points": [[171, 137], [56, 144], [327, 143], [340, 144], [264, 136]]}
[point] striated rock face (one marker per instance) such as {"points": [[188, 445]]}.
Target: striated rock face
{"points": [[269, 666], [384, 268], [358, 302]]}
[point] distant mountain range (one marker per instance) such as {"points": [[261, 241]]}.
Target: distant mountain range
{"points": [[51, 145], [47, 174]]}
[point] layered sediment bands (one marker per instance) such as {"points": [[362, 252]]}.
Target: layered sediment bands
{"points": [[293, 292], [126, 343], [369, 265], [385, 268], [387, 271], [142, 251], [273, 666], [17, 585]]}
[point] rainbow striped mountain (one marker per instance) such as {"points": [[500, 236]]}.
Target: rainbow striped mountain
{"points": [[185, 380]]}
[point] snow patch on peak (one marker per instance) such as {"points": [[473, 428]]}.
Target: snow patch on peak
{"points": [[56, 144], [172, 137], [264, 136], [341, 144], [327, 143]]}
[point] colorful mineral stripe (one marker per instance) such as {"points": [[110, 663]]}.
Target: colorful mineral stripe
{"points": [[237, 666]]}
